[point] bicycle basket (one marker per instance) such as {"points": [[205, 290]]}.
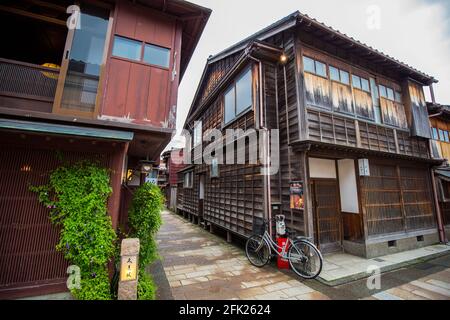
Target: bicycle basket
{"points": [[259, 226]]}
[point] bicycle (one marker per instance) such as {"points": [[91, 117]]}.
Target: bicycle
{"points": [[303, 256]]}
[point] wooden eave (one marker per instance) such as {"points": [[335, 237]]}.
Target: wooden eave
{"points": [[304, 23], [193, 19], [256, 49], [334, 37], [186, 169], [436, 109], [355, 47], [63, 119], [343, 151]]}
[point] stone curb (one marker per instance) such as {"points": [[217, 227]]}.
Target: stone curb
{"points": [[395, 266]]}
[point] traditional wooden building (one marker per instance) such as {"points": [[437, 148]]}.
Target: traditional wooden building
{"points": [[96, 80], [353, 141], [173, 160], [440, 131]]}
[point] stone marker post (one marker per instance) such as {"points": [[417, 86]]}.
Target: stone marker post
{"points": [[129, 255]]}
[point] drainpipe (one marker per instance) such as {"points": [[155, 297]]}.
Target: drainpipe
{"points": [[267, 145], [435, 115], [433, 98], [441, 229]]}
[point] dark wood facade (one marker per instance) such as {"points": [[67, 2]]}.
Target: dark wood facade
{"points": [[80, 91], [173, 162], [380, 115], [440, 132], [127, 93]]}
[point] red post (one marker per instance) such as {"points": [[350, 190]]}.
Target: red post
{"points": [[281, 262]]}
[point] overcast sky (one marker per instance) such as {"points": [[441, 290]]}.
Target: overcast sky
{"points": [[416, 32]]}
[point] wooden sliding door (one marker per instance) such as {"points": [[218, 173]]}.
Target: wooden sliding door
{"points": [[328, 220]]}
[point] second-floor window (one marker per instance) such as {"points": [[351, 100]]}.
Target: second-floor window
{"points": [[140, 51], [434, 133], [339, 75], [238, 98], [188, 180], [440, 135], [378, 103], [360, 83], [315, 67], [390, 94]]}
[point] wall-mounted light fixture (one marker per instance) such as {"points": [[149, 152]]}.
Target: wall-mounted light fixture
{"points": [[146, 166]]}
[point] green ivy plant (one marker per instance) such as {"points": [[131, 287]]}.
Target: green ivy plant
{"points": [[77, 197], [145, 220], [146, 286]]}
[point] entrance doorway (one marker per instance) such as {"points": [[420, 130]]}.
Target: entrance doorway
{"points": [[328, 220]]}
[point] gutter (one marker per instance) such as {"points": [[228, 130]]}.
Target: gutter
{"points": [[436, 115], [235, 68]]}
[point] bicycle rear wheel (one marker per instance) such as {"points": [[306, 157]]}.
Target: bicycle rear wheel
{"points": [[305, 259], [257, 251]]}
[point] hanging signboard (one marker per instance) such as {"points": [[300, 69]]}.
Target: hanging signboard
{"points": [[296, 193], [152, 177]]}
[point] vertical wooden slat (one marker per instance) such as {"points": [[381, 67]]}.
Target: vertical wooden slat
{"points": [[27, 238], [25, 79]]}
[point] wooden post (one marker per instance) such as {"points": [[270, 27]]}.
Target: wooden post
{"points": [[229, 239], [211, 228], [358, 134], [433, 98], [308, 214], [441, 228], [128, 282], [118, 161], [397, 148]]}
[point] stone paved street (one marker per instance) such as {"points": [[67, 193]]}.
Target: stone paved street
{"points": [[432, 287], [202, 266]]}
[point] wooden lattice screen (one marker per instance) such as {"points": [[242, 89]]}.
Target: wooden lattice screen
{"points": [[27, 238], [397, 199]]}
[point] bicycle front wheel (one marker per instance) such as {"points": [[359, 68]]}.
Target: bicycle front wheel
{"points": [[257, 251], [305, 259]]}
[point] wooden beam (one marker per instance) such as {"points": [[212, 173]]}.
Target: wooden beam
{"points": [[397, 148], [229, 238], [358, 134], [32, 15], [47, 5]]}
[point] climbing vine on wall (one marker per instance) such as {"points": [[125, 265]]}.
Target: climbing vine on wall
{"points": [[76, 196], [145, 221]]}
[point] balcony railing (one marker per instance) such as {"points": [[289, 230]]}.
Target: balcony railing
{"points": [[347, 131], [27, 81]]}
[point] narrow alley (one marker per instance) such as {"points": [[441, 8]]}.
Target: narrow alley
{"points": [[199, 265]]}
